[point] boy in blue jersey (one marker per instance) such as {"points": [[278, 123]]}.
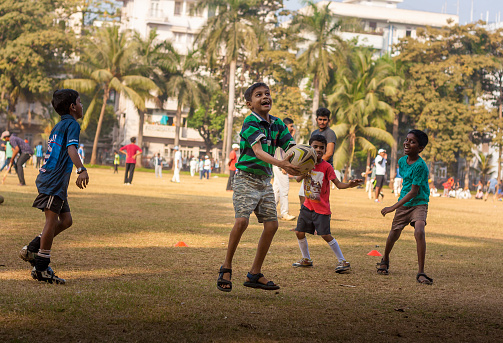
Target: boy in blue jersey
{"points": [[52, 183], [412, 206]]}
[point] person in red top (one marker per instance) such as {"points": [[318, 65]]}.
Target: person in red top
{"points": [[132, 150], [232, 165], [315, 212]]}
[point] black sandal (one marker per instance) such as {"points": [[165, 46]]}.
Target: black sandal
{"points": [[428, 281], [222, 282], [253, 283], [380, 269]]}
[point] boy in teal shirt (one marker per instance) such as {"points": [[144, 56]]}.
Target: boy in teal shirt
{"points": [[412, 206], [260, 135]]}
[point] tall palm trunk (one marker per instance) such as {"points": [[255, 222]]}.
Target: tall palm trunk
{"points": [[500, 147], [224, 143], [230, 113], [316, 100], [106, 94], [178, 120], [467, 173], [351, 156], [141, 114], [394, 148], [367, 168]]}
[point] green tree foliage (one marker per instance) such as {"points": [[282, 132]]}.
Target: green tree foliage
{"points": [[33, 49], [209, 119], [445, 72], [187, 85], [107, 65], [324, 47], [230, 37], [358, 100]]}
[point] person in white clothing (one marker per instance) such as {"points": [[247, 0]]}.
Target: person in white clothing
{"points": [[158, 165], [193, 166], [380, 163], [207, 166], [281, 184], [177, 165]]}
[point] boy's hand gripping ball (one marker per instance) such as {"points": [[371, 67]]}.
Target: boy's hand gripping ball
{"points": [[303, 156]]}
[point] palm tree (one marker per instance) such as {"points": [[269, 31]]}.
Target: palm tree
{"points": [[397, 69], [323, 54], [231, 33], [484, 167], [156, 61], [107, 65], [360, 111], [187, 85]]}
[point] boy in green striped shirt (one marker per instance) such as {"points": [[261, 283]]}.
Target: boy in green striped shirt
{"points": [[260, 135]]}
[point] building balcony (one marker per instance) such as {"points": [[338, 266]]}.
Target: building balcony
{"points": [[374, 39], [155, 16], [168, 131]]}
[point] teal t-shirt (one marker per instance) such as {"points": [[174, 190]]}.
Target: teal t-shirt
{"points": [[414, 174]]}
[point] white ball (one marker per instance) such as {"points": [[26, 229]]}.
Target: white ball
{"points": [[303, 156]]}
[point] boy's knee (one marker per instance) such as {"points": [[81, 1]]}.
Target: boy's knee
{"points": [[327, 238], [241, 223], [300, 235]]}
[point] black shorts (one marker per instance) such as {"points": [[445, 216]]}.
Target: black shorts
{"points": [[309, 221], [52, 203], [379, 181]]}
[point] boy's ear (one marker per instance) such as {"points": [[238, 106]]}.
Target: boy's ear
{"points": [[249, 105], [421, 148]]}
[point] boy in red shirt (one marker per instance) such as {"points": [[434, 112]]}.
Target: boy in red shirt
{"points": [[315, 212], [132, 150]]}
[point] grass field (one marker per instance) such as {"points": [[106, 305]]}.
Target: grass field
{"points": [[127, 282]]}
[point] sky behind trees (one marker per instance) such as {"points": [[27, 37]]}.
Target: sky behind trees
{"points": [[480, 7]]}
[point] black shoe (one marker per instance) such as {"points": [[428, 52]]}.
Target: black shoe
{"points": [[47, 276], [27, 255]]}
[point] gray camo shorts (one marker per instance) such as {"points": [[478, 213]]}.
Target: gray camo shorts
{"points": [[254, 193]]}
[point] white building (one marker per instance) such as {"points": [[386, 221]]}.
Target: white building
{"points": [[172, 21], [383, 23]]}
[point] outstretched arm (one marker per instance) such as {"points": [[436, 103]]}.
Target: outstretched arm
{"points": [[344, 185]]}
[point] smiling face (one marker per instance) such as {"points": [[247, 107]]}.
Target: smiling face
{"points": [[261, 101], [322, 122], [320, 148], [411, 145]]}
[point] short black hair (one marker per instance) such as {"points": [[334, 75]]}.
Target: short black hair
{"points": [[249, 91], [133, 139], [323, 112], [62, 99], [422, 137], [318, 138], [287, 121]]}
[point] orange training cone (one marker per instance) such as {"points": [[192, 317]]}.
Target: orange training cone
{"points": [[181, 244], [374, 253]]}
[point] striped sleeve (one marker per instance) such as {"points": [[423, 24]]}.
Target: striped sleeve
{"points": [[285, 139], [251, 132]]}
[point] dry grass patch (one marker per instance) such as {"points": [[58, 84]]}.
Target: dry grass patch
{"points": [[127, 281]]}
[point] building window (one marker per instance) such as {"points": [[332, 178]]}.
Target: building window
{"points": [[179, 37], [154, 8], [408, 32], [178, 7], [190, 10], [372, 26]]}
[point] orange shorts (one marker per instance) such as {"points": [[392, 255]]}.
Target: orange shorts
{"points": [[409, 215]]}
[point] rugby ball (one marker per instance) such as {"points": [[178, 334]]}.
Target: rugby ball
{"points": [[303, 156], [1, 199]]}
